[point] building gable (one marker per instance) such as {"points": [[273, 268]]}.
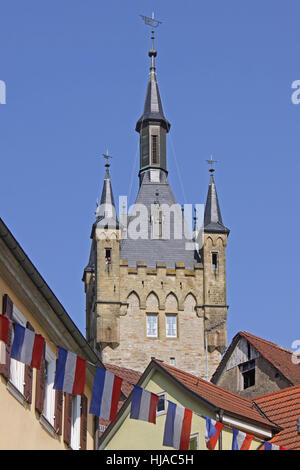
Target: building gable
{"points": [[253, 366]]}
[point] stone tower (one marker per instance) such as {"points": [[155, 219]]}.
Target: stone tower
{"points": [[151, 291]]}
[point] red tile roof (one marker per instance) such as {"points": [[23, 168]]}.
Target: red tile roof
{"points": [[279, 357], [283, 407], [219, 397], [129, 376]]}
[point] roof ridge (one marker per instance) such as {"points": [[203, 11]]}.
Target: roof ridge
{"points": [[123, 368], [207, 382], [271, 343]]}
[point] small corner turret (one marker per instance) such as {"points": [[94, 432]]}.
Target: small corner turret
{"points": [[214, 262], [102, 304]]}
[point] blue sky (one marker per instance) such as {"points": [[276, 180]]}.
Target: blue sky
{"points": [[76, 73]]}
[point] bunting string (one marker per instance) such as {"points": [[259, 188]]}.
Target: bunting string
{"points": [[70, 374]]}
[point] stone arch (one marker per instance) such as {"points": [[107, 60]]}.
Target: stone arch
{"points": [[113, 236], [102, 236], [133, 298], [220, 242], [171, 302], [209, 242], [190, 303], [152, 301], [133, 307]]}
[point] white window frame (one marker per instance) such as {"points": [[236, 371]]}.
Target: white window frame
{"points": [[172, 361], [75, 422], [148, 316], [195, 436], [49, 399], [17, 368], [164, 411], [168, 316]]}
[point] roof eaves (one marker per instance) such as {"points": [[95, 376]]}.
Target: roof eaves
{"points": [[221, 410]]}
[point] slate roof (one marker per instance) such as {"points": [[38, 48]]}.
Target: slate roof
{"points": [[153, 110], [106, 211], [283, 407], [150, 250], [212, 214], [106, 216], [279, 357]]}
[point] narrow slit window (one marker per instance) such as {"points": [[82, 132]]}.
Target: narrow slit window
{"points": [[107, 255], [154, 149], [214, 260], [160, 221]]}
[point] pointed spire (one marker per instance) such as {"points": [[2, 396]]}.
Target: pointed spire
{"points": [[106, 214], [153, 110], [212, 215]]}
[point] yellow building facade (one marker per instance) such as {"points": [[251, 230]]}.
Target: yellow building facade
{"points": [[33, 414]]}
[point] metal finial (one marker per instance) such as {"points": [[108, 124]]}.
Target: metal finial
{"points": [[211, 163], [154, 23], [107, 157]]}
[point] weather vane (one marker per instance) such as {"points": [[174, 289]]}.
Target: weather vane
{"points": [[154, 23], [151, 21], [211, 163], [107, 157]]}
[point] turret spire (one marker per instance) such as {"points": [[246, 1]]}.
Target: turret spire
{"points": [[212, 214], [106, 211], [153, 109], [152, 125]]}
